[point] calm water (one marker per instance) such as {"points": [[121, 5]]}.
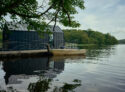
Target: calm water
{"points": [[102, 70]]}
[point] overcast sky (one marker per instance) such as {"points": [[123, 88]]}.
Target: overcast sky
{"points": [[107, 16], [104, 16]]}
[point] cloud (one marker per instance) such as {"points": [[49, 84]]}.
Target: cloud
{"points": [[104, 16]]}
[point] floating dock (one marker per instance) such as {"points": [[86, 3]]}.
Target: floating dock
{"points": [[68, 52], [36, 53]]}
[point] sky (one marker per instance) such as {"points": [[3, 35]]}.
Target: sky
{"points": [[107, 16]]}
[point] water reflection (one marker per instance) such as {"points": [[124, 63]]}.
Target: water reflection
{"points": [[20, 73], [44, 84], [31, 66], [101, 52], [101, 71]]}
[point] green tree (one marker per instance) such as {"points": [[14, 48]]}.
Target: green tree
{"points": [[110, 39], [88, 37], [0, 36], [39, 15]]}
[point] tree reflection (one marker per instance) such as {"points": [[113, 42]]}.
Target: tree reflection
{"points": [[44, 84], [45, 69], [41, 86], [99, 52]]}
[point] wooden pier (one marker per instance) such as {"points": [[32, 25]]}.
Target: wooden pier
{"points": [[36, 53]]}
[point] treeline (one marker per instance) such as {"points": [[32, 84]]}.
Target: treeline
{"points": [[0, 39], [0, 36], [121, 41], [88, 37]]}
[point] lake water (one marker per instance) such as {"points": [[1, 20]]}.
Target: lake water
{"points": [[102, 70]]}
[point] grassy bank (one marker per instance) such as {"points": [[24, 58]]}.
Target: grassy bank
{"points": [[83, 46], [89, 46], [86, 45]]}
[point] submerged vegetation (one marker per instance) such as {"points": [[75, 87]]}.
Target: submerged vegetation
{"points": [[40, 86], [44, 84], [88, 37]]}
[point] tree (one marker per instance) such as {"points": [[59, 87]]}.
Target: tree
{"points": [[88, 37], [37, 16]]}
